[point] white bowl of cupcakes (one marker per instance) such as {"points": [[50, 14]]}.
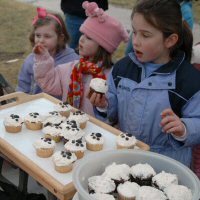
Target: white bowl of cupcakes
{"points": [[134, 175]]}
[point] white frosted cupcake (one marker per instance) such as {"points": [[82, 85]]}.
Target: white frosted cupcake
{"points": [[71, 130], [44, 147], [63, 161], [127, 190], [63, 109], [76, 146], [101, 196], [126, 141], [33, 121], [98, 85], [80, 117], [164, 179], [142, 174], [150, 193], [13, 123], [94, 141], [101, 184], [52, 131], [117, 172], [178, 192], [57, 120]]}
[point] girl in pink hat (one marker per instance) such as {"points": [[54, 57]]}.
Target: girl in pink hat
{"points": [[102, 35]]}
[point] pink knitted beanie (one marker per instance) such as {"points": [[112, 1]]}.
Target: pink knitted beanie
{"points": [[102, 28]]}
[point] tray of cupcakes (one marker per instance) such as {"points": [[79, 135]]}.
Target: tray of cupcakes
{"points": [[134, 175], [55, 135]]}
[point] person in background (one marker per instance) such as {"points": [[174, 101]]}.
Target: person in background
{"points": [[75, 16], [187, 14], [48, 30], [101, 35], [154, 92]]}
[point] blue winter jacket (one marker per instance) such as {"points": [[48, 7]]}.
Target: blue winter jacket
{"points": [[136, 102], [26, 82]]}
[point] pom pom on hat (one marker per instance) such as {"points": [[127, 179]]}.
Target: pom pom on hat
{"points": [[102, 28]]}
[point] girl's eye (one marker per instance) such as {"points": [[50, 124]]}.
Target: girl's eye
{"points": [[37, 35]]}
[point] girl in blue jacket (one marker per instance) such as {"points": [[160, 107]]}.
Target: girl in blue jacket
{"points": [[49, 30], [154, 92]]}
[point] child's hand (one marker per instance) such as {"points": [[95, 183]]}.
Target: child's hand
{"points": [[39, 49], [171, 123], [98, 100]]}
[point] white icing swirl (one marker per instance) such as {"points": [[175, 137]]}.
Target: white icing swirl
{"points": [[150, 193], [142, 171], [101, 184], [178, 192], [53, 130], [126, 140], [128, 189], [94, 138], [100, 196], [13, 120], [163, 180], [33, 117], [44, 143], [63, 158], [75, 145], [62, 107], [117, 172], [99, 85], [54, 120], [79, 116]]}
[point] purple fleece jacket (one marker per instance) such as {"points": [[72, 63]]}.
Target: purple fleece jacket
{"points": [[26, 81]]}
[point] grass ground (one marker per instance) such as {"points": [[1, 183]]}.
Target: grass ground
{"points": [[15, 24]]}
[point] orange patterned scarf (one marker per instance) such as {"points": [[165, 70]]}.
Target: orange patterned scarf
{"points": [[75, 91]]}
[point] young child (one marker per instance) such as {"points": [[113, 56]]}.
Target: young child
{"points": [[48, 30], [154, 92], [101, 36]]}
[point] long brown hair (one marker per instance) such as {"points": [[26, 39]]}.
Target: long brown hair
{"points": [[166, 16], [60, 31]]}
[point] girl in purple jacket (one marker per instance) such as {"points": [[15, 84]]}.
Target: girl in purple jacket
{"points": [[48, 30]]}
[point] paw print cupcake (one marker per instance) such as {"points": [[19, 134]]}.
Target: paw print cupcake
{"points": [[63, 108], [13, 123], [33, 121], [94, 141], [76, 146], [63, 161], [52, 131], [126, 141], [71, 130], [80, 117], [44, 147]]}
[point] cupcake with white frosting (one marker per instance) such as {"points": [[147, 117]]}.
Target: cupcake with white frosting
{"points": [[63, 108], [98, 85], [44, 147], [57, 120], [94, 141], [101, 184], [76, 146], [127, 190], [178, 192], [125, 141], [71, 130], [117, 172], [13, 123], [164, 179], [63, 161], [150, 193], [33, 121], [142, 174], [101, 196], [80, 117], [52, 131]]}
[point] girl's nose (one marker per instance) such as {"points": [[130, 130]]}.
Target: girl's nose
{"points": [[135, 40]]}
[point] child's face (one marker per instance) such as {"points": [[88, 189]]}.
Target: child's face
{"points": [[148, 42], [87, 46], [47, 36]]}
